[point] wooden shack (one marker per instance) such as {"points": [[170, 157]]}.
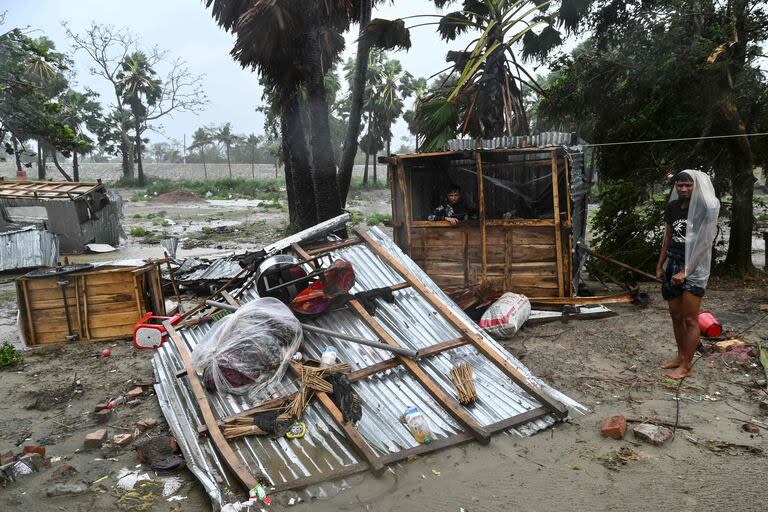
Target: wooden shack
{"points": [[522, 238], [96, 304]]}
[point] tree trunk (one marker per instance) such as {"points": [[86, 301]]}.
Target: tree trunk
{"points": [[375, 176], [126, 149], [137, 145], [16, 154], [202, 157], [253, 165], [298, 177], [229, 165], [389, 142], [276, 169], [61, 170], [349, 150], [365, 172], [327, 198], [40, 161], [75, 167]]}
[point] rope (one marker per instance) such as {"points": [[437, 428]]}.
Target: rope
{"points": [[681, 139]]}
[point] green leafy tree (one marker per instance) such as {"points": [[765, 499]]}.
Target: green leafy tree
{"points": [[252, 143], [200, 140], [224, 136]]}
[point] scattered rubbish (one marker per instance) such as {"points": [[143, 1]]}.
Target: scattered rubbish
{"points": [[653, 434], [146, 424], [121, 439], [506, 316], [620, 457], [728, 345], [150, 332], [463, 378], [115, 402], [159, 453], [134, 393], [435, 472], [614, 427], [66, 490], [171, 485], [100, 248], [417, 425], [176, 498], [709, 325], [329, 357], [297, 430]]}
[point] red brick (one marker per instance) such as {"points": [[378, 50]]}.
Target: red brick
{"points": [[33, 448], [614, 427], [103, 415], [134, 393], [121, 439], [751, 428], [95, 439], [6, 458], [146, 424]]}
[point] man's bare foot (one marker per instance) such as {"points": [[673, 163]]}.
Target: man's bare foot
{"points": [[672, 363], [678, 373]]}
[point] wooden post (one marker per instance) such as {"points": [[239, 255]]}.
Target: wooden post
{"points": [[218, 439], [558, 234], [478, 341], [569, 257], [406, 204], [25, 291], [481, 206]]}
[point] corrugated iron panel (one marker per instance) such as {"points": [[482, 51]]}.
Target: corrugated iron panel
{"points": [[28, 247], [385, 396], [220, 269]]}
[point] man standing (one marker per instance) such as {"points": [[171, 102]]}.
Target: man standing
{"points": [[690, 228], [455, 209]]}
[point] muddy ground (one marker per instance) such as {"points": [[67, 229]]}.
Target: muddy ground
{"points": [[609, 365]]}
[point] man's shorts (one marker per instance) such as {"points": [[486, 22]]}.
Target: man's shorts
{"points": [[672, 291]]}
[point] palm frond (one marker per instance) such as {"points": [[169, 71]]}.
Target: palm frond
{"points": [[437, 119], [387, 34]]}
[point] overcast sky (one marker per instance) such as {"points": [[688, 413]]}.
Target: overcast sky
{"points": [[186, 30]]}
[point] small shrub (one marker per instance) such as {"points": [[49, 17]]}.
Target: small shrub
{"points": [[138, 231], [376, 218], [136, 216], [9, 356], [357, 218]]}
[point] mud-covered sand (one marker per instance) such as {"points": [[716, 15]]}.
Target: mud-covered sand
{"points": [[609, 365]]}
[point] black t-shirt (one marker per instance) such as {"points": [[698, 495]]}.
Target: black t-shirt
{"points": [[677, 218]]}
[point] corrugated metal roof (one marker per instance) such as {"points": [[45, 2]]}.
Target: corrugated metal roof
{"points": [[541, 140], [413, 323], [220, 269], [28, 247]]}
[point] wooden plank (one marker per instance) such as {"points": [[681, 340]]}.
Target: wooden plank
{"points": [[569, 256], [28, 312], [529, 253], [521, 222], [508, 259], [620, 298], [86, 306], [478, 341], [483, 225], [222, 446], [406, 203], [558, 241]]}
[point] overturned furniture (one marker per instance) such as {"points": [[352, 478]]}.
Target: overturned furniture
{"points": [[82, 302], [531, 211], [79, 213], [420, 317]]}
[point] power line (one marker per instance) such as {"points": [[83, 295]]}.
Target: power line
{"points": [[683, 139]]}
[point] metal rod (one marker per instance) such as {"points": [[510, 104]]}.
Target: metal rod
{"points": [[343, 336]]}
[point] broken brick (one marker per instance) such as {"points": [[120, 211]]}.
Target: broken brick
{"points": [[121, 439], [95, 439], [63, 473], [6, 458], [33, 448], [614, 427], [101, 407], [134, 393], [146, 424], [103, 415], [653, 434]]}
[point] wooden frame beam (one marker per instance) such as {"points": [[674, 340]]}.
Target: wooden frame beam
{"points": [[478, 341]]}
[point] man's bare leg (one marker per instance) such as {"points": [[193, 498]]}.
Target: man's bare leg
{"points": [[690, 308], [678, 326]]}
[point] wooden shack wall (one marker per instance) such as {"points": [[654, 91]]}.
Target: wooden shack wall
{"points": [[521, 254], [103, 304]]}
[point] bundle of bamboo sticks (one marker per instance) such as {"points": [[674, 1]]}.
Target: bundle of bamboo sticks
{"points": [[239, 427], [463, 378]]}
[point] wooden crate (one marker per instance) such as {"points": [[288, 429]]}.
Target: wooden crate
{"points": [[103, 304]]}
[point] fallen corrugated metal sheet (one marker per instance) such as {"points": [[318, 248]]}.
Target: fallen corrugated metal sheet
{"points": [[325, 451], [28, 247], [202, 270]]}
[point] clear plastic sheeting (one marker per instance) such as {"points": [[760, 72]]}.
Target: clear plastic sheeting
{"points": [[249, 350], [701, 230]]}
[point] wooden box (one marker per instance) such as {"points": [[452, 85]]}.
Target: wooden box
{"points": [[102, 304]]}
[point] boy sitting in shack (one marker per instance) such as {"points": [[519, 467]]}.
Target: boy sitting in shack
{"points": [[455, 207]]}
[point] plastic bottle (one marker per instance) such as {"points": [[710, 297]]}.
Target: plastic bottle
{"points": [[418, 426], [117, 401], [328, 358]]}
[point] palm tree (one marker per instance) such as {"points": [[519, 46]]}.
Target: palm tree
{"points": [[200, 139], [225, 137], [487, 100], [137, 82], [252, 143], [80, 111]]}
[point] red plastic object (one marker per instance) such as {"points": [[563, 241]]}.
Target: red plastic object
{"points": [[709, 325], [150, 333]]}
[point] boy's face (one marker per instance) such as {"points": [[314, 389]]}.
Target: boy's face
{"points": [[684, 189], [454, 197]]}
